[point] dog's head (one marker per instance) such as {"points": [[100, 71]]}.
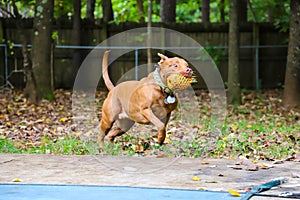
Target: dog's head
{"points": [[175, 65]]}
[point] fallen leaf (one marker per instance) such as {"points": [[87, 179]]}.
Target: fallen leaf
{"points": [[234, 193], [239, 163], [16, 180], [63, 119], [265, 166], [161, 155], [234, 127], [278, 162], [39, 121], [211, 181], [167, 140], [237, 167], [196, 178], [252, 168], [295, 175], [204, 162]]}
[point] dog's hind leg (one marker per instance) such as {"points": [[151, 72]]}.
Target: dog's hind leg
{"points": [[122, 126], [105, 127]]}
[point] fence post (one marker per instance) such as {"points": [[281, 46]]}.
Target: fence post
{"points": [[136, 64], [255, 41], [2, 67], [6, 66]]}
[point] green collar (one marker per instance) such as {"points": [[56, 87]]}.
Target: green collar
{"points": [[159, 82]]}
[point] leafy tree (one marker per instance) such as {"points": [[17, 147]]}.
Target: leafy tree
{"points": [[276, 12], [292, 76]]}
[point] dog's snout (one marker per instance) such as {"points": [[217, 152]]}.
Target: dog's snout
{"points": [[189, 70]]}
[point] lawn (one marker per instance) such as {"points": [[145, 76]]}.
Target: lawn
{"points": [[260, 128]]}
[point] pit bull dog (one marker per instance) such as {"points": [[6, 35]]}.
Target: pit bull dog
{"points": [[148, 101]]}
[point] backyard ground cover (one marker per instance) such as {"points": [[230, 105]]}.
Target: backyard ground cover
{"points": [[259, 129]]}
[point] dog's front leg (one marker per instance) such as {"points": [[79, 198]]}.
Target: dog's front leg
{"points": [[149, 115]]}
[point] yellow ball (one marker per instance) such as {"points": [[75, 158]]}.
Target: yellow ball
{"points": [[179, 82]]}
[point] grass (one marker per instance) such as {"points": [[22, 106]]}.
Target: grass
{"points": [[8, 146], [66, 145], [261, 140]]}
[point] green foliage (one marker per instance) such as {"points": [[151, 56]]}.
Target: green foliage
{"points": [[215, 11], [126, 10], [274, 11], [186, 11], [26, 8], [63, 9], [216, 54]]}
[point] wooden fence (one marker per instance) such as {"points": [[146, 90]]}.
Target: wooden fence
{"points": [[263, 50]]}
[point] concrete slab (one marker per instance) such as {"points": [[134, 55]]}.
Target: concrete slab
{"points": [[214, 174]]}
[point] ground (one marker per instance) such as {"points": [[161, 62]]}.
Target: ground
{"points": [[243, 154], [214, 174]]}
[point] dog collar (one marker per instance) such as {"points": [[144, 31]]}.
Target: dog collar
{"points": [[159, 82]]}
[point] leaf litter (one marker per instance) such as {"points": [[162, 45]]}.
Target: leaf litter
{"points": [[260, 128]]}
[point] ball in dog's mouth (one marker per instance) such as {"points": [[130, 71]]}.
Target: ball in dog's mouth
{"points": [[179, 82]]}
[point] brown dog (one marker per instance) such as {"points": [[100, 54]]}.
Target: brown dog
{"points": [[146, 101]]}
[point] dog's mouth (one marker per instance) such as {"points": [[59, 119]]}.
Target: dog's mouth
{"points": [[187, 74]]}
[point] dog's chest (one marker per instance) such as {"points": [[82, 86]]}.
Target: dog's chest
{"points": [[163, 108]]}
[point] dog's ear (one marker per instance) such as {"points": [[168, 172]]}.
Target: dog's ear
{"points": [[163, 58]]}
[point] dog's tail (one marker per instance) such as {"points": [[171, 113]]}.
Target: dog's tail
{"points": [[105, 75]]}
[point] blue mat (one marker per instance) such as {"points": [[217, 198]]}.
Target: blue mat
{"points": [[83, 192]]}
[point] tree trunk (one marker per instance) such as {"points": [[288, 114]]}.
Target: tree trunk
{"points": [[76, 34], [205, 11], [242, 10], [30, 90], [234, 94], [168, 11], [291, 96], [2, 63], [141, 10], [222, 11], [149, 38], [90, 8], [108, 14], [41, 49]]}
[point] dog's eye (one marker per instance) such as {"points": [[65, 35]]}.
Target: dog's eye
{"points": [[175, 65]]}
